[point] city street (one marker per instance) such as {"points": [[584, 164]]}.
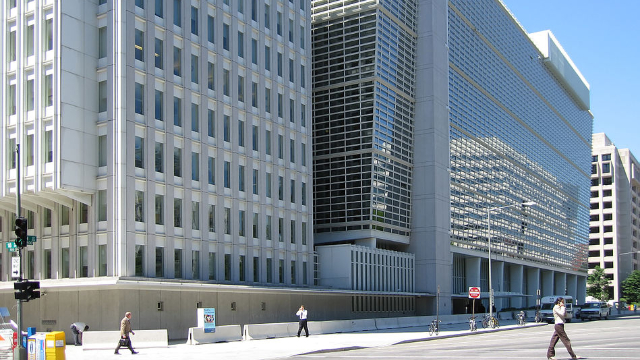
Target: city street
{"points": [[604, 339]]}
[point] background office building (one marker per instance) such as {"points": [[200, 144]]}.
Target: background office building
{"points": [[165, 158], [428, 113], [614, 236]]}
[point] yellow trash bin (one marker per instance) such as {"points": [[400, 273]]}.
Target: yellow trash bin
{"points": [[55, 345]]}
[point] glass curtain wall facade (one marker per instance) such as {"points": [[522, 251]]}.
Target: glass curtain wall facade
{"points": [[517, 135], [364, 88]]}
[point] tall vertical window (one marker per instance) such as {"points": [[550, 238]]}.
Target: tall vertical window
{"points": [[267, 228], [226, 128], [195, 215], [29, 154], [102, 205], [83, 261], [48, 90], [102, 260], [303, 154], [280, 188], [211, 175], [254, 51], [280, 64], [177, 61], [225, 36], [280, 230], [212, 218], [240, 88], [267, 100], [241, 178], [11, 148], [139, 99], [159, 157], [240, 133], [177, 13], [292, 108], [254, 94], [227, 221], [47, 264], [256, 269], [254, 227], [140, 4], [195, 264], [139, 206], [254, 137], [267, 58], [195, 166], [212, 266], [195, 117], [267, 185], [254, 10], [177, 213], [267, 142], [48, 146], [281, 271], [158, 55], [177, 268], [159, 262], [302, 33], [227, 174], [242, 267], [83, 213], [304, 233], [292, 151], [11, 46], [291, 30], [303, 192], [241, 222], [29, 96], [159, 209], [177, 162], [211, 123], [280, 147], [303, 110], [29, 45], [48, 34], [102, 96], [177, 111], [255, 181], [194, 69], [211, 26], [292, 191], [102, 150], [12, 100], [279, 23], [211, 71], [293, 271], [159, 105], [227, 267], [225, 82], [139, 45], [267, 16], [302, 78], [240, 44], [64, 266], [280, 105], [194, 20], [139, 153], [102, 42], [269, 270], [160, 8]]}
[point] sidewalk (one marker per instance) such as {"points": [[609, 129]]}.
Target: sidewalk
{"points": [[289, 346]]}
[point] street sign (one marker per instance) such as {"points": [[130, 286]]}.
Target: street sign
{"points": [[11, 246], [31, 239], [15, 267], [474, 292]]}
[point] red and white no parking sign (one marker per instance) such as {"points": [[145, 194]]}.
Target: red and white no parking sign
{"points": [[474, 292]]}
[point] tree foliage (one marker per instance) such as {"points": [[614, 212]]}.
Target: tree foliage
{"points": [[631, 287], [598, 284]]}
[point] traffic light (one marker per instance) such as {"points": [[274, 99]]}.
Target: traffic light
{"points": [[27, 290], [21, 232]]}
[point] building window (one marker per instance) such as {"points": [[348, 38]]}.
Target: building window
{"points": [[241, 178], [160, 8], [302, 78], [241, 133], [269, 270], [293, 271], [279, 23], [255, 181], [293, 191], [293, 231], [195, 166], [241, 223], [254, 227], [227, 221], [227, 267], [211, 69], [212, 266], [256, 269], [159, 58], [159, 157], [177, 162], [281, 271], [139, 99], [280, 146], [211, 29], [225, 36], [225, 82], [267, 100], [304, 233], [12, 99], [139, 45], [102, 96], [605, 157], [29, 43], [48, 90], [102, 260], [254, 51], [279, 64], [606, 168], [12, 46], [280, 188], [159, 105], [29, 155], [30, 95], [195, 264], [226, 128], [211, 123], [267, 16], [267, 142], [303, 110], [304, 193], [177, 111], [140, 4], [48, 146], [177, 61], [267, 229], [177, 13], [177, 213], [159, 262], [159, 209], [240, 44], [139, 206], [83, 213], [268, 185], [280, 230], [139, 152], [195, 215], [292, 151], [211, 173], [83, 262], [194, 69], [64, 260], [102, 42], [254, 94], [195, 112], [194, 20], [227, 174], [280, 106], [177, 257], [102, 205], [267, 58], [64, 216], [291, 30], [212, 218], [139, 260], [241, 267]]}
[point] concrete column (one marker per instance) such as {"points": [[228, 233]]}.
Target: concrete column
{"points": [[581, 289], [560, 283], [497, 278], [517, 276], [572, 285], [547, 283], [472, 272], [533, 284]]}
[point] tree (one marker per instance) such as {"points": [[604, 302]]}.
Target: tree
{"points": [[631, 287], [598, 284]]}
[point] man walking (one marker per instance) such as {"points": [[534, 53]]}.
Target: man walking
{"points": [[125, 329], [559, 312], [302, 314]]}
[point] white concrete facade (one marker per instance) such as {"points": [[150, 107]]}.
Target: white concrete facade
{"points": [[614, 239]]}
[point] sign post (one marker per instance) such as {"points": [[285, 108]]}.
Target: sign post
{"points": [[474, 293]]}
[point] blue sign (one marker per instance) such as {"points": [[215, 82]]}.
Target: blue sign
{"points": [[209, 320]]}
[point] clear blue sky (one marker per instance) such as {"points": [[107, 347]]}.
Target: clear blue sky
{"points": [[603, 40]]}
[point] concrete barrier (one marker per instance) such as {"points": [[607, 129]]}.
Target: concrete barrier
{"points": [[268, 331], [223, 333], [99, 340], [335, 326], [363, 325], [386, 323]]}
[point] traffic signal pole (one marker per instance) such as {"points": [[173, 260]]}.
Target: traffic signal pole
{"points": [[20, 352]]}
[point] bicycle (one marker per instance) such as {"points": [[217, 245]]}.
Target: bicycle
{"points": [[520, 319], [490, 321], [434, 328], [538, 318], [472, 324]]}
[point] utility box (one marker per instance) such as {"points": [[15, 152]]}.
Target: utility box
{"points": [[35, 346], [55, 345]]}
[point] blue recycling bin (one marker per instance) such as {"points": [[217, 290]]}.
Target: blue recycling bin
{"points": [[25, 336]]}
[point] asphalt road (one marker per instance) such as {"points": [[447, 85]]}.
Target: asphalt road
{"points": [[617, 338]]}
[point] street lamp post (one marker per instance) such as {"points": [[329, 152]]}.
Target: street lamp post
{"points": [[489, 210]]}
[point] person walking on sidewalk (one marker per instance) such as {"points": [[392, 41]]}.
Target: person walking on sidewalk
{"points": [[125, 329], [302, 314], [559, 312]]}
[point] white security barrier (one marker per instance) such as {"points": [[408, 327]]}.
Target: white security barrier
{"points": [[98, 340], [222, 334], [386, 323], [335, 326], [267, 331], [363, 325]]}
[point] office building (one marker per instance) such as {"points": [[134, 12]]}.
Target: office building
{"points": [[165, 158], [614, 236], [435, 123]]}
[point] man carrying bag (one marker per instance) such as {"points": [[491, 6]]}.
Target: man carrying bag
{"points": [[125, 329]]}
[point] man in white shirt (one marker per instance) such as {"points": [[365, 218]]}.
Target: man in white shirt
{"points": [[559, 312], [302, 314]]}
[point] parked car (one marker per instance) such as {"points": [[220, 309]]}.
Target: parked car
{"points": [[594, 310]]}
